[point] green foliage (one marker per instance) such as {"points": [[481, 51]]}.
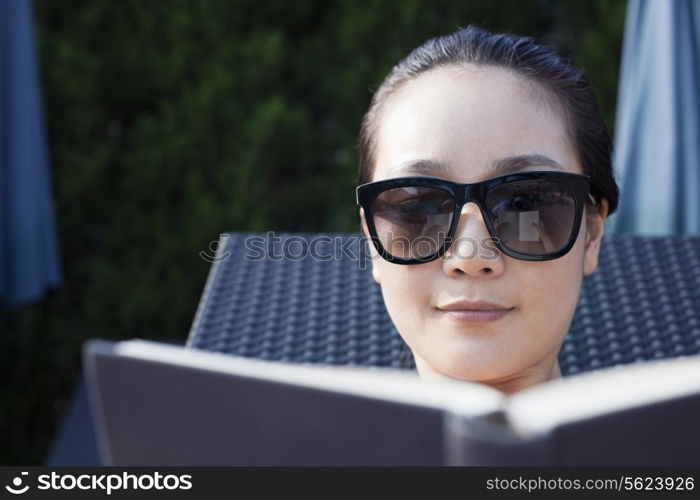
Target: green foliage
{"points": [[173, 121]]}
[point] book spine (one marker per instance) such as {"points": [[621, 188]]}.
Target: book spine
{"points": [[489, 440]]}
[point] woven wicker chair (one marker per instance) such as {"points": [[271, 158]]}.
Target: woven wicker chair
{"points": [[642, 303]]}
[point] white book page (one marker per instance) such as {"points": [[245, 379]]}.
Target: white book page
{"points": [[402, 386], [540, 408]]}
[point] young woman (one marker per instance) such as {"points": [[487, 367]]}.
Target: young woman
{"points": [[484, 180]]}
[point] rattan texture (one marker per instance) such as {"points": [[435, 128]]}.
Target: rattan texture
{"points": [[310, 298]]}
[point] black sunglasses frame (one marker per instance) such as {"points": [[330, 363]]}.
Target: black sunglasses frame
{"points": [[477, 192]]}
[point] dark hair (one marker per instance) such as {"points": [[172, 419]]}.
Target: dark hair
{"points": [[565, 84]]}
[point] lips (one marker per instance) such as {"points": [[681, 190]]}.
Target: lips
{"points": [[470, 311], [474, 305]]}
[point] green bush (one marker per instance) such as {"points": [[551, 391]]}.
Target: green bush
{"points": [[173, 121]]}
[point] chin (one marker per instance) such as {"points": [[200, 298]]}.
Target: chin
{"points": [[463, 369]]}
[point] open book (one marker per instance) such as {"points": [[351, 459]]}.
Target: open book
{"points": [[159, 404]]}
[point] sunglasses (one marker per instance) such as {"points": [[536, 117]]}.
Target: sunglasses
{"points": [[532, 215]]}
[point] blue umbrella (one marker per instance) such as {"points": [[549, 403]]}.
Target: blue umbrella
{"points": [[657, 134], [29, 261]]}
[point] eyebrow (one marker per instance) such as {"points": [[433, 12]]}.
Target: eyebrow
{"points": [[501, 166]]}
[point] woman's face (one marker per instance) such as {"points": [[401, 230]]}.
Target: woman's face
{"points": [[468, 119]]}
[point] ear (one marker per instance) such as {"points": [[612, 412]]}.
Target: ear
{"points": [[373, 251], [594, 235]]}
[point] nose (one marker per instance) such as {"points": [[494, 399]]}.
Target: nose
{"points": [[472, 251]]}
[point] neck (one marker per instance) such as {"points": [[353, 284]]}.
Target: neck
{"points": [[527, 379], [544, 371]]}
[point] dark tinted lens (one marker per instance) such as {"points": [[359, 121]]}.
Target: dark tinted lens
{"points": [[532, 217], [412, 222]]}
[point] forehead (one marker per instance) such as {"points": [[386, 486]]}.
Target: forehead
{"points": [[470, 117]]}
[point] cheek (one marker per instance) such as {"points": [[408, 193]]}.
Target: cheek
{"points": [[550, 291], [406, 293], [554, 284]]}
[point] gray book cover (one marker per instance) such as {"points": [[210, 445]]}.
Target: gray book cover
{"points": [[156, 404]]}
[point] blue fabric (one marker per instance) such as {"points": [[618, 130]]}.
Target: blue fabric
{"points": [[75, 443], [29, 261], [657, 132]]}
